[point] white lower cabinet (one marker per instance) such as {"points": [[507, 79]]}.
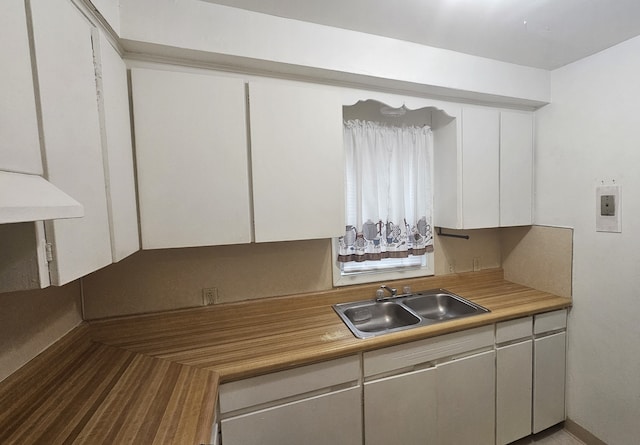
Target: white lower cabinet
{"points": [[312, 405], [401, 409], [479, 386], [514, 358], [549, 369], [549, 381], [466, 400], [530, 375], [449, 403], [513, 392], [329, 418]]}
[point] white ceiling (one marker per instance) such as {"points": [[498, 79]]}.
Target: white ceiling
{"points": [[539, 33]]}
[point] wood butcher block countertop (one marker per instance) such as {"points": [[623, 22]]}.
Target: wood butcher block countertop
{"points": [[82, 392], [153, 378], [254, 337]]}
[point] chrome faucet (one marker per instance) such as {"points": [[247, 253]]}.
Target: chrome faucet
{"points": [[380, 292]]}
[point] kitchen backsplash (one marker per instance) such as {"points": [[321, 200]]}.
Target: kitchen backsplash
{"points": [[157, 280], [31, 321], [539, 257]]}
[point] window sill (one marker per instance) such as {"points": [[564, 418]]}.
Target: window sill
{"points": [[340, 279]]}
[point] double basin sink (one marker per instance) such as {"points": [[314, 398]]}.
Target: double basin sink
{"points": [[371, 318]]}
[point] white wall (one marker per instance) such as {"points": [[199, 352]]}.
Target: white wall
{"points": [[590, 133], [211, 28]]}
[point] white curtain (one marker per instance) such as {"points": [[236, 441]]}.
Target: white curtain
{"points": [[388, 191]]}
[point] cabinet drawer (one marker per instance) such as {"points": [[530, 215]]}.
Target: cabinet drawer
{"points": [[279, 385], [514, 329], [550, 321], [334, 418], [423, 351]]}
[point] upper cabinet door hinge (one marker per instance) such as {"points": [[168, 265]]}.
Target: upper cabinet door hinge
{"points": [[48, 252]]}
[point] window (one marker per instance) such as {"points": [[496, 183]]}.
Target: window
{"points": [[388, 227]]}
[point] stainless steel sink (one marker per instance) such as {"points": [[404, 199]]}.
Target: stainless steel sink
{"points": [[441, 305], [379, 316], [371, 318]]}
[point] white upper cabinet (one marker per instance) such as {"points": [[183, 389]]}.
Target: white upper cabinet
{"points": [[71, 133], [87, 152], [117, 150], [516, 168], [194, 172], [19, 144], [297, 161], [480, 168], [485, 178], [192, 163]]}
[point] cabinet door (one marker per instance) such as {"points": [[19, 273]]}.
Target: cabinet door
{"points": [[117, 151], [549, 381], [401, 409], [513, 391], [19, 143], [192, 162], [334, 418], [516, 168], [466, 400], [446, 181], [297, 161], [480, 168], [71, 130]]}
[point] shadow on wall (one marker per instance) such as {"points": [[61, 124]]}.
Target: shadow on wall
{"points": [[30, 321], [455, 255], [536, 256], [166, 279], [539, 257]]}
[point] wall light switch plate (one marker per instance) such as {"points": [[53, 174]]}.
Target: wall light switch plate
{"points": [[608, 205], [608, 215]]}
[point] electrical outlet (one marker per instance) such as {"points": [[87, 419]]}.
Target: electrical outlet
{"points": [[452, 267], [476, 264], [209, 296]]}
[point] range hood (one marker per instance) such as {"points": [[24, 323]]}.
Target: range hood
{"points": [[25, 197]]}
